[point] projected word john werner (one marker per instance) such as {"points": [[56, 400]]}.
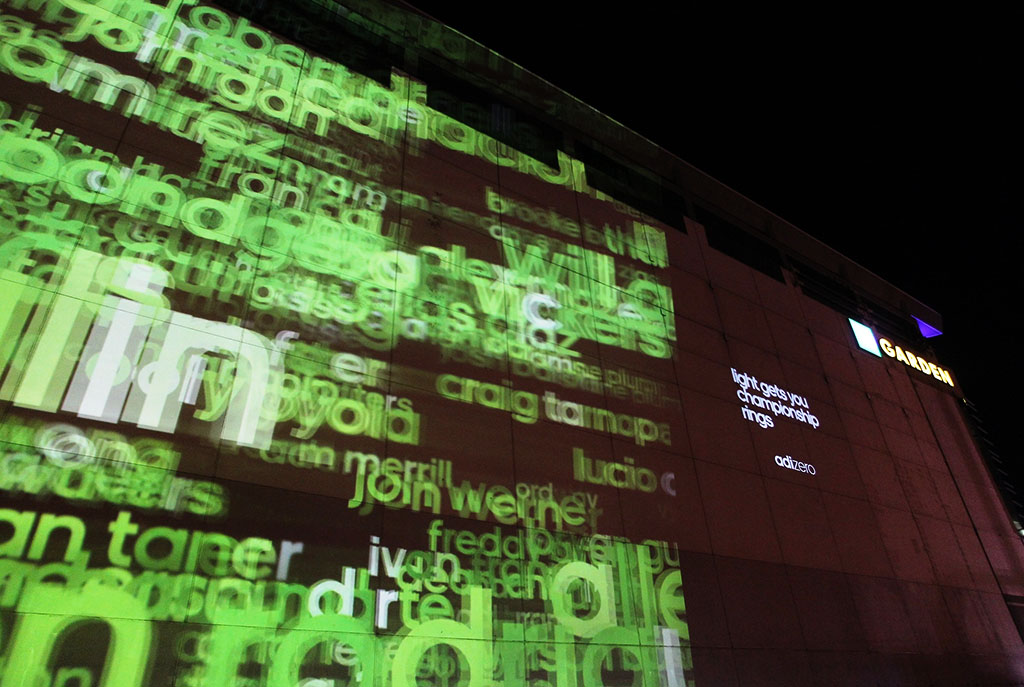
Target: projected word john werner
{"points": [[530, 505]]}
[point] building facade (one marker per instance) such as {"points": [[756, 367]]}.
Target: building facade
{"points": [[339, 350]]}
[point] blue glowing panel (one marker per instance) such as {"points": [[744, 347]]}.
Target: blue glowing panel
{"points": [[927, 331]]}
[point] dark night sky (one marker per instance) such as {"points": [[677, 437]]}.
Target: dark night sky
{"points": [[892, 137]]}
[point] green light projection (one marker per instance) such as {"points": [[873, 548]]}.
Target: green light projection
{"points": [[271, 335]]}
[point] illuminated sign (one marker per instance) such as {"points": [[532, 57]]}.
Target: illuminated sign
{"points": [[915, 361], [867, 340]]}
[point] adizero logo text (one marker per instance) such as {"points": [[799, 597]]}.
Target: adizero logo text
{"points": [[788, 462]]}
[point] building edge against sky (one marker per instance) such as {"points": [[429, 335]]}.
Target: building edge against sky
{"points": [[340, 350]]}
